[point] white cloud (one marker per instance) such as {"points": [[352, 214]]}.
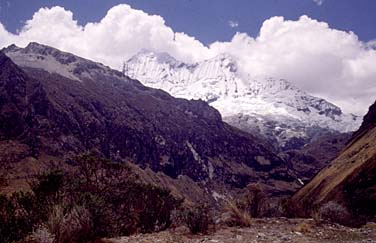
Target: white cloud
{"points": [[233, 24], [326, 62], [6, 38], [319, 2], [119, 35], [371, 44]]}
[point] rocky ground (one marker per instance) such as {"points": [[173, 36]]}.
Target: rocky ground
{"points": [[263, 231]]}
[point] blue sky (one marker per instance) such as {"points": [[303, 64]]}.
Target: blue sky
{"points": [[208, 20], [325, 47]]}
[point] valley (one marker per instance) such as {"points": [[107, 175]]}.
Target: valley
{"points": [[250, 158]]}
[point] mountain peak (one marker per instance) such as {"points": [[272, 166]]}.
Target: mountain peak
{"points": [[11, 47], [244, 101], [152, 56], [35, 45], [52, 60], [223, 57]]}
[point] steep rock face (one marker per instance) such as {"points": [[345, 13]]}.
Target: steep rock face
{"points": [[284, 115], [78, 105], [349, 180]]}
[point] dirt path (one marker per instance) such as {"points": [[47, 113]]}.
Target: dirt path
{"points": [[263, 231]]}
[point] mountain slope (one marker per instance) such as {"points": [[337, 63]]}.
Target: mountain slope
{"points": [[349, 180], [81, 105], [285, 115], [310, 159]]}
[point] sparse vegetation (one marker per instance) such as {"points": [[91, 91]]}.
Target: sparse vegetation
{"points": [[99, 199], [332, 212], [237, 216], [198, 219]]}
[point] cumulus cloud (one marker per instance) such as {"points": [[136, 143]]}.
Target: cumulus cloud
{"points": [[233, 24], [319, 2], [326, 62], [117, 36]]}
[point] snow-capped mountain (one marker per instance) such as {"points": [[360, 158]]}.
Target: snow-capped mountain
{"points": [[274, 108]]}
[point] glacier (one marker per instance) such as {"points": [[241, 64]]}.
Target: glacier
{"points": [[285, 115]]}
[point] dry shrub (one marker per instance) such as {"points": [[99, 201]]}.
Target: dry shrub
{"points": [[98, 199], [74, 226], [237, 216], [118, 202], [55, 219], [198, 219], [332, 212]]}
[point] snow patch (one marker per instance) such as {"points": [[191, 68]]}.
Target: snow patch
{"points": [[235, 94], [196, 156]]}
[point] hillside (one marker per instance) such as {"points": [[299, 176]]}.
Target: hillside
{"points": [[350, 180], [59, 105]]}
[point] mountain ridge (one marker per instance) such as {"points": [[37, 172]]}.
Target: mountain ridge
{"points": [[105, 111], [255, 105]]}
